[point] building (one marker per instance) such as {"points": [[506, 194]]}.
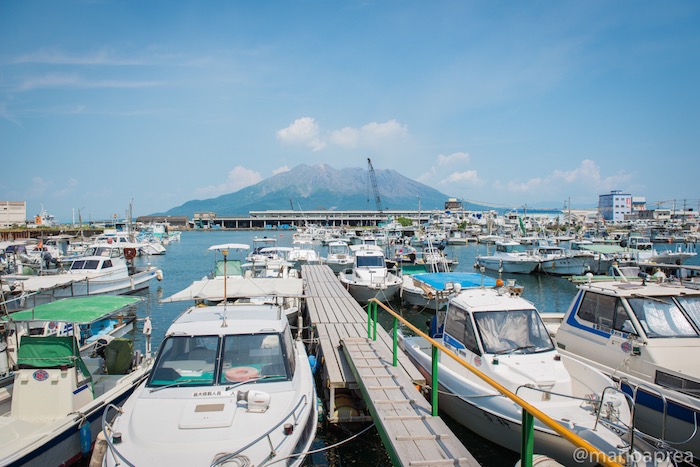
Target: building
{"points": [[614, 206], [13, 213]]}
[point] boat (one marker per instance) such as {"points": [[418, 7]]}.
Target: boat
{"points": [[431, 291], [229, 387], [509, 257], [369, 276], [645, 334], [433, 259], [105, 268], [339, 256], [558, 261], [643, 250], [498, 332], [54, 398], [303, 253]]}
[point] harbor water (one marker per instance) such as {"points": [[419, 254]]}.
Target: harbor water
{"points": [[188, 260]]}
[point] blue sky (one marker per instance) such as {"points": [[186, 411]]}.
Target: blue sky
{"points": [[158, 102]]}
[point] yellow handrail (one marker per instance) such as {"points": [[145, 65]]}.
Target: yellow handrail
{"points": [[565, 433]]}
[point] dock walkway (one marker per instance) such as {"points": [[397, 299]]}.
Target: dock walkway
{"points": [[351, 361]]}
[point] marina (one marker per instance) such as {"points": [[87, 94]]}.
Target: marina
{"points": [[336, 324]]}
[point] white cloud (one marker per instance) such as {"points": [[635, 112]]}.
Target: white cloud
{"points": [[280, 170], [38, 188], [67, 188], [468, 176], [454, 158], [239, 177], [304, 131]]}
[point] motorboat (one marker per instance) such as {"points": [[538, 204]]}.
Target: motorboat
{"points": [[230, 387], [645, 334], [558, 261], [303, 252], [54, 397], [431, 291], [499, 333], [433, 259], [509, 257], [104, 269], [643, 250], [369, 276], [339, 256]]}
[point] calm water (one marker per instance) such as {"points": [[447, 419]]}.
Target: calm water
{"points": [[189, 260]]}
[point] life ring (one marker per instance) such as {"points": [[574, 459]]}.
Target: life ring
{"points": [[241, 373], [129, 253]]}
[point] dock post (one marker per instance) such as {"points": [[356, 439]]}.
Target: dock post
{"points": [[434, 392], [527, 443]]}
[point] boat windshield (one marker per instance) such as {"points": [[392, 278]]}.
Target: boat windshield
{"points": [[192, 360], [370, 261], [511, 248], [692, 307], [185, 360], [661, 317], [512, 331]]}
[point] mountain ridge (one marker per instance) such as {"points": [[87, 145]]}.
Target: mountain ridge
{"points": [[321, 187]]}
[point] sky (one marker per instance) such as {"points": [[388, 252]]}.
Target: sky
{"points": [[106, 104]]}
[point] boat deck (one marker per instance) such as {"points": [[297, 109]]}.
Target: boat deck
{"points": [[350, 361]]}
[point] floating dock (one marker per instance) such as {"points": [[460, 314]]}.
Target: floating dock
{"points": [[352, 363]]}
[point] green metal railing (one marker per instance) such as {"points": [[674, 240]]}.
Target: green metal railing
{"points": [[529, 412]]}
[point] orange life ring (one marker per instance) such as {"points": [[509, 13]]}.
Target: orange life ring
{"points": [[241, 373], [129, 253]]}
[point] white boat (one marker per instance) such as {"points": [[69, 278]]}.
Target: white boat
{"points": [[509, 257], [501, 334], [646, 335], [303, 253], [103, 269], [431, 291], [369, 276], [229, 387], [339, 256], [52, 403], [558, 261], [643, 250], [433, 259]]}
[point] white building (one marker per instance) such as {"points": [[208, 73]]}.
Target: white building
{"points": [[614, 206], [13, 213]]}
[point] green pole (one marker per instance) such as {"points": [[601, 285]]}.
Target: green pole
{"points": [[434, 395], [527, 443], [396, 341]]}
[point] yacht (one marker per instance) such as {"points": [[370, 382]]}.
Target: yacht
{"points": [[369, 277], [230, 386], [509, 257]]}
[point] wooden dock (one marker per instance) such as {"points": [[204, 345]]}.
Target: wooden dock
{"points": [[352, 363]]}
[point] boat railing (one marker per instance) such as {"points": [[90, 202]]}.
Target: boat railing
{"points": [[529, 412], [664, 402]]}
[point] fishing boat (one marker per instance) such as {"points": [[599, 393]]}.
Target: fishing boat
{"points": [[229, 387], [303, 252], [431, 291], [643, 250], [646, 335], [498, 332], [509, 257], [105, 268], [558, 261], [369, 277], [54, 398]]}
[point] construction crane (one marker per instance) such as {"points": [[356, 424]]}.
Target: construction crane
{"points": [[373, 182]]}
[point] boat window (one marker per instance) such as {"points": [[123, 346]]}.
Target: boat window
{"points": [[107, 264], [692, 306], [458, 324], [513, 330], [661, 317], [370, 261], [77, 264], [253, 356], [185, 360]]}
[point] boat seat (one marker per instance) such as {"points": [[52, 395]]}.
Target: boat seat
{"points": [[201, 353]]}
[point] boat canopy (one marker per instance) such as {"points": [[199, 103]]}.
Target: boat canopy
{"points": [[213, 289], [50, 352], [437, 280], [80, 310], [604, 249]]}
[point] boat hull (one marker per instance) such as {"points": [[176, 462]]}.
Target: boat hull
{"points": [[510, 267]]}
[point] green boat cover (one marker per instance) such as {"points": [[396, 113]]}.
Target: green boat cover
{"points": [[233, 268], [118, 355], [80, 310], [50, 352]]}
